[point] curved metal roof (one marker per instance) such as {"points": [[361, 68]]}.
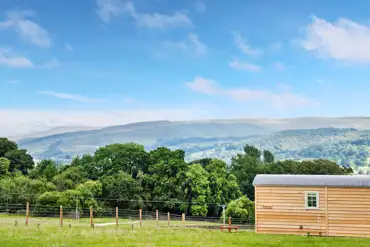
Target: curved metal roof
{"points": [[312, 180]]}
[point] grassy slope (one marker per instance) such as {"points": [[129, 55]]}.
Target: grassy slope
{"points": [[147, 134], [53, 236]]}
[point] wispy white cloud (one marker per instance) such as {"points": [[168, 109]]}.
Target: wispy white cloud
{"points": [[343, 40], [40, 120], [53, 63], [275, 47], [278, 100], [156, 20], [278, 66], [238, 65], [12, 82], [203, 85], [10, 60], [192, 44], [73, 97], [112, 8], [130, 100], [284, 86], [107, 9], [199, 47], [241, 43], [30, 31], [69, 48], [200, 7]]}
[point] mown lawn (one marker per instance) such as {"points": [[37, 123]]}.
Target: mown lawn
{"points": [[11, 236]]}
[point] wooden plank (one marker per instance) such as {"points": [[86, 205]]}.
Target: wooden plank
{"points": [[291, 231], [277, 210], [348, 189], [295, 227], [288, 193], [292, 222], [349, 217], [297, 221], [256, 203], [297, 213], [349, 202], [291, 188], [353, 210], [280, 191], [350, 226], [288, 217]]}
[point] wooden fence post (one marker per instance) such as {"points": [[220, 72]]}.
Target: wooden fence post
{"points": [[156, 217], [116, 216], [140, 216], [27, 212], [91, 217], [61, 216], [183, 218], [168, 218], [229, 221]]}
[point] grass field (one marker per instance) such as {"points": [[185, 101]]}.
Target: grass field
{"points": [[85, 222], [81, 235]]}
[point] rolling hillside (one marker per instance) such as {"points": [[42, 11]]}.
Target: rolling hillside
{"points": [[344, 140]]}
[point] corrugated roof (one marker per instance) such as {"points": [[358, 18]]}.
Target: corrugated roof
{"points": [[313, 180]]}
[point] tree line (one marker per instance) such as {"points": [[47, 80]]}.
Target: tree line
{"points": [[129, 177]]}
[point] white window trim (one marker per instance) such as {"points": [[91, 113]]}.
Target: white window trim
{"points": [[317, 198]]}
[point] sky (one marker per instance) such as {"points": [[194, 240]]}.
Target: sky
{"points": [[111, 62]]}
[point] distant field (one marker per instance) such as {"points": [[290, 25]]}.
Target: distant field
{"points": [[81, 235]]}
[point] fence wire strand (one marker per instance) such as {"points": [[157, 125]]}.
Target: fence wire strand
{"points": [[51, 215]]}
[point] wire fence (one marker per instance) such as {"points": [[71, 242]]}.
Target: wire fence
{"points": [[39, 215]]}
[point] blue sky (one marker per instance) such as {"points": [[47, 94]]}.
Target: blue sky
{"points": [[110, 62]]}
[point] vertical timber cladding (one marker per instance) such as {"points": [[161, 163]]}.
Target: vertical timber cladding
{"points": [[349, 211], [281, 209], [255, 208]]}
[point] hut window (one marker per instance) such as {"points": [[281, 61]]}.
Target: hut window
{"points": [[312, 200]]}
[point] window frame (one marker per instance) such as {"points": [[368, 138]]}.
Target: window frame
{"points": [[317, 200]]}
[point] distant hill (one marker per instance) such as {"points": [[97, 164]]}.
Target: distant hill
{"points": [[344, 140], [53, 131]]}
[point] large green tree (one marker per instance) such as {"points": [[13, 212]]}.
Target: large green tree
{"points": [[4, 166], [197, 191], [47, 169], [252, 151], [268, 157], [69, 178], [245, 168], [165, 176], [223, 185], [130, 158], [20, 189], [123, 191], [6, 146], [241, 208], [19, 161]]}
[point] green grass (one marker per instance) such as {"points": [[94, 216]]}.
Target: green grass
{"points": [[50, 234], [55, 221], [55, 236]]}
